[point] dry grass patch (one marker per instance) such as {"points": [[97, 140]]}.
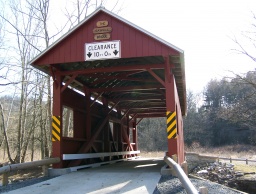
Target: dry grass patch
{"points": [[21, 175], [233, 151], [245, 168], [156, 154]]}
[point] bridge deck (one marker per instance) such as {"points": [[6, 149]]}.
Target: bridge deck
{"points": [[134, 176]]}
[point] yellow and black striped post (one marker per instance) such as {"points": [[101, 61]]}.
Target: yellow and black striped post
{"points": [[171, 124], [55, 128]]}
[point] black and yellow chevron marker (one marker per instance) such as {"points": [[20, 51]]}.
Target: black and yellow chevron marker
{"points": [[55, 128], [171, 124]]}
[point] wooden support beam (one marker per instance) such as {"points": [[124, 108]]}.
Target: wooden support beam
{"points": [[96, 155], [126, 139], [112, 108], [132, 117], [135, 135], [57, 144], [96, 98], [153, 115], [88, 113], [127, 111], [170, 109], [156, 76], [68, 82], [106, 140], [128, 88], [139, 120], [55, 81], [102, 79], [113, 69], [138, 99], [86, 146]]}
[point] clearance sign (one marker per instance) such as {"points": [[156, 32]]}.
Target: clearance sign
{"points": [[102, 50]]}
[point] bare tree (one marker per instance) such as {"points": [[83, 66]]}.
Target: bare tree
{"points": [[5, 134], [4, 66], [41, 13], [28, 24], [246, 45], [22, 27], [81, 8]]}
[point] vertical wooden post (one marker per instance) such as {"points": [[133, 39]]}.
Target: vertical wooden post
{"points": [[119, 130], [170, 110], [88, 114], [105, 138], [128, 134], [45, 170], [5, 178], [135, 135], [57, 119]]}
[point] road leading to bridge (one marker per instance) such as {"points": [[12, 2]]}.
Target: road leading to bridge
{"points": [[134, 176]]}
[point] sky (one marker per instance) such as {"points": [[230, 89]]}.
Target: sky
{"points": [[203, 29]]}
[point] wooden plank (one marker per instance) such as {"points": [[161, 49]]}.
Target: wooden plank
{"points": [[96, 155], [94, 165], [5, 179]]}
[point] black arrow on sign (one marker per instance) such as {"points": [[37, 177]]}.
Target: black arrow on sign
{"points": [[89, 54], [115, 52]]}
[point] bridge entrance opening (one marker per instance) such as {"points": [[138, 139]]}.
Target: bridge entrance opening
{"points": [[108, 74]]}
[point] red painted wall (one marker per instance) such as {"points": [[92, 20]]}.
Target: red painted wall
{"points": [[134, 43], [180, 137]]}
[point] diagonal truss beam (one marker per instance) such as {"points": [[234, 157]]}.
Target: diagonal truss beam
{"points": [[86, 146], [96, 98], [71, 79], [112, 108], [156, 76], [126, 139]]}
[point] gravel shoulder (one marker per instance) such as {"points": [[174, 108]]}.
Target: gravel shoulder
{"points": [[21, 184], [169, 184]]}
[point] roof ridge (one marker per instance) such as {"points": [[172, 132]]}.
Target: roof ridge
{"points": [[101, 8]]}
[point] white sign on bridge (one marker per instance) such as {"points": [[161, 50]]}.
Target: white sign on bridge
{"points": [[102, 50]]}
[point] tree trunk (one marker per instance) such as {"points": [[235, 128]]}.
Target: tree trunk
{"points": [[19, 128], [5, 135]]}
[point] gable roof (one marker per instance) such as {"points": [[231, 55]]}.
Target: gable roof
{"points": [[113, 15], [68, 51]]}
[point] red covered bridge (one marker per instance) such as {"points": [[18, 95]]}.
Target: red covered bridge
{"points": [[110, 74]]}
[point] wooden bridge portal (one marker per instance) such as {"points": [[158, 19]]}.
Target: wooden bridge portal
{"points": [[109, 74]]}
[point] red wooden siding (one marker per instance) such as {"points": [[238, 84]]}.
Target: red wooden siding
{"points": [[134, 43]]}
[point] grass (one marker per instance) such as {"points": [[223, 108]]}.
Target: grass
{"points": [[230, 151], [152, 154], [245, 168], [233, 151]]}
